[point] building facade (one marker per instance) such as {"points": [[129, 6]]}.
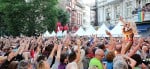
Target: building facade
{"points": [[86, 16], [93, 13], [109, 11], [81, 13], [75, 9]]}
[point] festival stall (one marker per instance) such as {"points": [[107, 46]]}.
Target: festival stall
{"points": [[117, 30], [101, 32], [80, 32]]}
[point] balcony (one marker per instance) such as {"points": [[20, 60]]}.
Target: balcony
{"points": [[79, 4], [108, 2], [114, 1], [142, 17], [146, 18]]}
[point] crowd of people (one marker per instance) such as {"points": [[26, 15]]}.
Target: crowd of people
{"points": [[72, 52]]}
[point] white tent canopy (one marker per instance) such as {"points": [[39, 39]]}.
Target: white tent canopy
{"points": [[53, 33], [46, 34], [59, 34], [80, 32], [90, 30], [65, 33], [117, 30], [101, 32]]}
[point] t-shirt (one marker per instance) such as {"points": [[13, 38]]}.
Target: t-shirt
{"points": [[51, 61], [95, 62], [55, 64], [72, 65], [109, 65], [62, 66], [86, 62]]}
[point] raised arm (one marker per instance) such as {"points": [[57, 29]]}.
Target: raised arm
{"points": [[59, 51], [121, 19], [112, 41], [79, 51], [27, 45], [21, 48], [53, 51], [136, 48], [132, 62]]}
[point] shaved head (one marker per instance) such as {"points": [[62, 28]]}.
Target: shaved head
{"points": [[99, 51], [99, 54]]}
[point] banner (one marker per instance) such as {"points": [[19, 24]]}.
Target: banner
{"points": [[141, 16]]}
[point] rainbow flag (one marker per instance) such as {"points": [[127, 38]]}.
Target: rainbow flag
{"points": [[141, 16]]}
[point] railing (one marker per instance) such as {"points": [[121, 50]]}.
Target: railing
{"points": [[147, 16], [136, 17]]}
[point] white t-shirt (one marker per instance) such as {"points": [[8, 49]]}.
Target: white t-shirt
{"points": [[72, 65]]}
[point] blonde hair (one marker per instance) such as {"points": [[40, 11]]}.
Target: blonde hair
{"points": [[110, 56], [41, 65], [134, 28]]}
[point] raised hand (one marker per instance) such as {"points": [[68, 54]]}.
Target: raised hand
{"points": [[108, 33], [141, 40], [78, 42], [60, 45], [10, 56], [55, 46], [121, 18]]}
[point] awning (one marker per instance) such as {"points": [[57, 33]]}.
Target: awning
{"points": [[143, 28]]}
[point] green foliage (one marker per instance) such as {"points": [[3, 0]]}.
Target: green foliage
{"points": [[63, 16], [12, 16], [30, 18]]}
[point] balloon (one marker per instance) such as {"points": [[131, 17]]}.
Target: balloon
{"points": [[75, 28], [65, 27], [61, 28], [58, 23]]}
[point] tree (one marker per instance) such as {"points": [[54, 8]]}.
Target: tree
{"points": [[63, 16], [12, 16], [28, 18], [2, 24]]}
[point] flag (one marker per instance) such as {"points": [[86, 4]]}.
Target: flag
{"points": [[141, 16]]}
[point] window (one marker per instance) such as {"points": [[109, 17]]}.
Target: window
{"points": [[117, 11], [138, 3], [128, 9], [107, 15], [143, 2], [106, 12], [68, 3], [147, 1]]}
